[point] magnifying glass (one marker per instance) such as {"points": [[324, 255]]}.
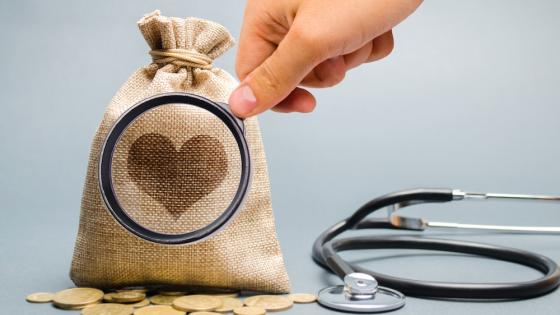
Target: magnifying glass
{"points": [[175, 168]]}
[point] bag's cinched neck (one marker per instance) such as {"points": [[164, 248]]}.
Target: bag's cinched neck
{"points": [[181, 57], [184, 42]]}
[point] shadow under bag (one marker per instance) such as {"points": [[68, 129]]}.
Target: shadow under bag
{"points": [[152, 175]]}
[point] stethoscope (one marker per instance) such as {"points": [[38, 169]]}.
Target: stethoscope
{"points": [[361, 291]]}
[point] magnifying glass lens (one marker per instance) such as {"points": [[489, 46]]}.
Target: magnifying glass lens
{"points": [[175, 169]]}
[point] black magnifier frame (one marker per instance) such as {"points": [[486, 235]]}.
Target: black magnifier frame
{"points": [[235, 126]]}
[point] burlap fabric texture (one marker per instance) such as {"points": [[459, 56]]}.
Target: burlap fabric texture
{"points": [[246, 254]]}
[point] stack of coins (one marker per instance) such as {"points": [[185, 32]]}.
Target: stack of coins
{"points": [[141, 301]]}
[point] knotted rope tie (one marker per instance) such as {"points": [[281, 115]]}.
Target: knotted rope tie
{"points": [[181, 57]]}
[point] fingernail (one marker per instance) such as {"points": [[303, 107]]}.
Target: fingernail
{"points": [[243, 100]]}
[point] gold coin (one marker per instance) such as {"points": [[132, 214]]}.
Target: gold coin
{"points": [[128, 297], [158, 310], [108, 309], [144, 302], [77, 297], [40, 297], [163, 299], [108, 297], [223, 293], [249, 310], [302, 297], [232, 295], [269, 302], [173, 293], [228, 304], [135, 289], [197, 302], [76, 308], [205, 313]]}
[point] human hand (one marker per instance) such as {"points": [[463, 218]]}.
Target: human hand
{"points": [[286, 44]]}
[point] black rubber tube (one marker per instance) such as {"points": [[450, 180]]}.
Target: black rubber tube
{"points": [[326, 248]]}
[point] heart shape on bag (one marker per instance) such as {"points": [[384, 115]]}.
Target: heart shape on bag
{"points": [[177, 178]]}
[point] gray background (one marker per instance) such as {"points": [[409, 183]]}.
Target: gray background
{"points": [[468, 99]]}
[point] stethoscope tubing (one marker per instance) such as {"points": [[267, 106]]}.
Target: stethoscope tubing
{"points": [[326, 249]]}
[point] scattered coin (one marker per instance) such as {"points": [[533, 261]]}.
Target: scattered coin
{"points": [[228, 304], [173, 293], [158, 310], [108, 309], [108, 297], [128, 297], [163, 299], [88, 306], [302, 297], [269, 302], [76, 308], [77, 297], [249, 310], [144, 302], [197, 302], [205, 313], [40, 297], [135, 289], [224, 294]]}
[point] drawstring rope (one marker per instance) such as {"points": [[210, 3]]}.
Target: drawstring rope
{"points": [[181, 57]]}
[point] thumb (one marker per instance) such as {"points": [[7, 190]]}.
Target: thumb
{"points": [[277, 76]]}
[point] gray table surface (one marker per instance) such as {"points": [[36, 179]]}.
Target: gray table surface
{"points": [[469, 99]]}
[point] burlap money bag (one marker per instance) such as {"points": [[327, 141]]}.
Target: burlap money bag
{"points": [[246, 254]]}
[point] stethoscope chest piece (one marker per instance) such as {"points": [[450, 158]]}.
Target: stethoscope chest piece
{"points": [[361, 294]]}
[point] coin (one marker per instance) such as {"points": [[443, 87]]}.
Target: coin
{"points": [[77, 297], [197, 302], [108, 309], [163, 299], [173, 293], [144, 302], [128, 297], [108, 297], [76, 308], [223, 294], [158, 310], [205, 313], [40, 297], [269, 302], [302, 297], [249, 310], [135, 289], [228, 304]]}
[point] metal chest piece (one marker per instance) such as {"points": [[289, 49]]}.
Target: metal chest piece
{"points": [[361, 294]]}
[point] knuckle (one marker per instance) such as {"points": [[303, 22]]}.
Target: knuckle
{"points": [[382, 51], [268, 78], [241, 71], [388, 49], [336, 79], [316, 44], [331, 80]]}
